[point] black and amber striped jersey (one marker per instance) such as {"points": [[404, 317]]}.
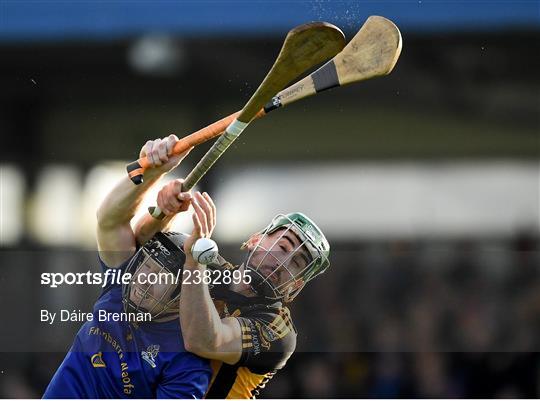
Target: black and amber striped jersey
{"points": [[268, 340]]}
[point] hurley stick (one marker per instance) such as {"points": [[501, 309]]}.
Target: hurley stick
{"points": [[304, 47]]}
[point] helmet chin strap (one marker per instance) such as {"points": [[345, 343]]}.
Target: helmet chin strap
{"points": [[289, 296], [291, 292]]}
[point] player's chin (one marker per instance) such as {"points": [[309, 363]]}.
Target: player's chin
{"points": [[136, 294], [135, 300], [271, 278]]}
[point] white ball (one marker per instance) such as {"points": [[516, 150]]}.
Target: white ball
{"points": [[205, 251]]}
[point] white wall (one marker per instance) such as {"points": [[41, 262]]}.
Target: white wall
{"points": [[380, 200], [349, 201]]}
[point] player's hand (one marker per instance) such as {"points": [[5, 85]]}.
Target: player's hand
{"points": [[204, 222], [159, 153], [171, 200]]}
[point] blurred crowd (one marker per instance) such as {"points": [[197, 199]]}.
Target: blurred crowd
{"points": [[408, 375], [412, 296], [423, 318]]}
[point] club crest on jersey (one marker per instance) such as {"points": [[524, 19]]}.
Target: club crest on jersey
{"points": [[97, 360], [267, 333], [150, 354], [263, 337]]}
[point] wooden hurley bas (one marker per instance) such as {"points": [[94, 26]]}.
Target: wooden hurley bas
{"points": [[372, 52]]}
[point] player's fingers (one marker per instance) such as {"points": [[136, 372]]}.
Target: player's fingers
{"points": [[170, 142], [203, 202], [161, 203], [212, 206], [151, 154], [148, 147], [210, 217], [173, 203], [171, 196], [162, 151], [201, 216], [144, 149], [197, 228], [185, 198], [154, 153], [185, 205], [176, 187]]}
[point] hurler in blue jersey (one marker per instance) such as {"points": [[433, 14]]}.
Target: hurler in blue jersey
{"points": [[121, 358]]}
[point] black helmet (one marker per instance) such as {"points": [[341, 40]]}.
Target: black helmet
{"points": [[163, 255]]}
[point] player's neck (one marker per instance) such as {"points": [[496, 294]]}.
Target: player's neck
{"points": [[241, 287]]}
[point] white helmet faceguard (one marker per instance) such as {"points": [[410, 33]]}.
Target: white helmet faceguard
{"points": [[311, 239]]}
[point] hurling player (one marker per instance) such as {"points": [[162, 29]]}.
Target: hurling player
{"points": [[125, 359], [246, 329]]}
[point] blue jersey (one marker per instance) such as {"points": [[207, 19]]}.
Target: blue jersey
{"points": [[119, 359]]}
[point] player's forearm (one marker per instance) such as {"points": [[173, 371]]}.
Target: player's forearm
{"points": [[120, 205], [147, 227], [199, 319]]}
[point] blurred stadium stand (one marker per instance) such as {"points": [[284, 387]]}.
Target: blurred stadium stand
{"points": [[85, 84]]}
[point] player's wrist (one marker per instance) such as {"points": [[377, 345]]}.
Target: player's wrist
{"points": [[192, 264]]}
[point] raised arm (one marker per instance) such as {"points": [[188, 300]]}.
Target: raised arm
{"points": [[203, 331], [115, 237], [172, 201]]}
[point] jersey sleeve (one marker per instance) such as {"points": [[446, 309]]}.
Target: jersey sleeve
{"points": [[268, 340], [104, 268], [121, 266], [186, 377], [111, 293]]}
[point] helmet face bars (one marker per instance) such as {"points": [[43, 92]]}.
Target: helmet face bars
{"points": [[313, 241], [164, 257]]}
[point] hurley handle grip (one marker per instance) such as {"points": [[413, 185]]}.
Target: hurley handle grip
{"points": [[221, 145], [218, 148], [137, 168]]}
